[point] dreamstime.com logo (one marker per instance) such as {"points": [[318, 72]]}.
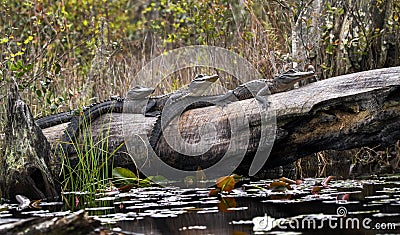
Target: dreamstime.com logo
{"points": [[339, 221], [154, 73]]}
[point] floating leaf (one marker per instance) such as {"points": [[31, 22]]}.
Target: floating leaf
{"points": [[24, 202], [226, 183], [157, 179], [326, 181], [120, 172], [124, 174], [145, 183], [344, 197], [316, 189], [36, 204], [279, 186]]}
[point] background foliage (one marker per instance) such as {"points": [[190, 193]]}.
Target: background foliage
{"points": [[64, 54]]}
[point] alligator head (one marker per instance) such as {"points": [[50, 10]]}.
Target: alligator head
{"points": [[286, 80], [200, 83]]}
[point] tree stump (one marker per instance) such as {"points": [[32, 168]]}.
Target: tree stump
{"points": [[24, 165]]}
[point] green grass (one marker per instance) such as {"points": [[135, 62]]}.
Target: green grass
{"points": [[90, 172]]}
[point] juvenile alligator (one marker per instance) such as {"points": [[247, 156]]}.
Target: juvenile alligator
{"points": [[196, 87], [115, 104], [262, 87], [178, 102]]}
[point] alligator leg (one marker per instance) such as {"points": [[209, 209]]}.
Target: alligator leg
{"points": [[261, 97]]}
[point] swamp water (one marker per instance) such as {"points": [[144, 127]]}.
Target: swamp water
{"points": [[342, 206], [373, 206]]}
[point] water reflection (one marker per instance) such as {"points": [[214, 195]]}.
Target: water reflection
{"points": [[175, 210]]}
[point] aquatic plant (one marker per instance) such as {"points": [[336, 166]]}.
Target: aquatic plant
{"points": [[89, 170]]}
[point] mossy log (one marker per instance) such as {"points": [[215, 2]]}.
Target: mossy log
{"points": [[344, 112]]}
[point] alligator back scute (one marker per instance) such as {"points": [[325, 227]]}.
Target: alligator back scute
{"points": [[55, 119]]}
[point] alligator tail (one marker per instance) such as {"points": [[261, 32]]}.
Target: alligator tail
{"points": [[54, 119]]}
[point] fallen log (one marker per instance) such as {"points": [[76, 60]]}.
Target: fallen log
{"points": [[344, 112]]}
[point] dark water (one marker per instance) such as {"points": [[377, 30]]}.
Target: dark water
{"points": [[252, 208], [348, 204]]}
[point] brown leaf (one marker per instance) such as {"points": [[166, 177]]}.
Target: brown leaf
{"points": [[214, 192], [226, 183], [36, 204], [326, 181], [316, 189], [345, 197], [125, 188], [279, 186]]}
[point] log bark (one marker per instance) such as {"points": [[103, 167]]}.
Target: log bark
{"points": [[345, 112]]}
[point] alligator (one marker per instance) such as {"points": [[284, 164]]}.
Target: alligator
{"points": [[196, 87], [115, 103], [262, 87], [179, 102]]}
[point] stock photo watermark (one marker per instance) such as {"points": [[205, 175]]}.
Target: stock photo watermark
{"points": [[339, 221]]}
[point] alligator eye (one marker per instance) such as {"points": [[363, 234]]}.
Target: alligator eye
{"points": [[291, 71], [199, 76]]}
